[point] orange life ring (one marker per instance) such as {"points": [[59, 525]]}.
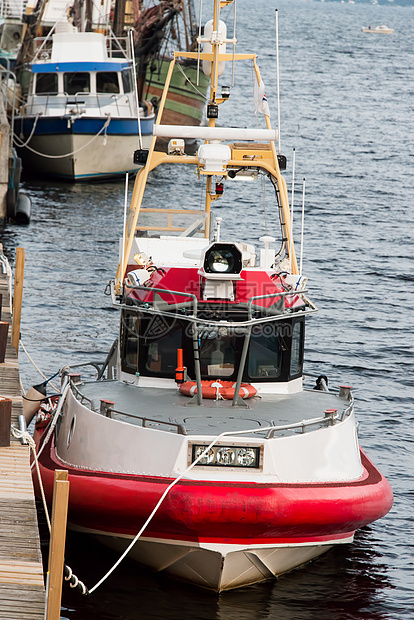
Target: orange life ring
{"points": [[216, 388]]}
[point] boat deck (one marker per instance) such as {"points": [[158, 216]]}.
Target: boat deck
{"points": [[163, 408]]}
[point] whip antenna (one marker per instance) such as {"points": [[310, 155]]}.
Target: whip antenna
{"points": [[277, 80], [234, 42], [303, 225], [125, 220], [291, 209]]}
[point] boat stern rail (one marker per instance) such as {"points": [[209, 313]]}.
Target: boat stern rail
{"points": [[116, 47]]}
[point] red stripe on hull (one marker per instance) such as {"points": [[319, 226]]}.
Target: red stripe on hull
{"points": [[239, 513]]}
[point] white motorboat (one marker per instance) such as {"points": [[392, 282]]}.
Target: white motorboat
{"points": [[81, 119], [378, 30]]}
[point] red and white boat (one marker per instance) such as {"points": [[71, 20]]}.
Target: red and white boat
{"points": [[198, 445]]}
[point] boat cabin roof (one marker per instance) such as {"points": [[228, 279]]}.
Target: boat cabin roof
{"points": [[53, 67]]}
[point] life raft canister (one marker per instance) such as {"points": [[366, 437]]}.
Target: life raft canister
{"points": [[216, 389]]}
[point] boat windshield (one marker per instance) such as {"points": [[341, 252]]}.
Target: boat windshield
{"points": [[150, 344], [74, 83]]}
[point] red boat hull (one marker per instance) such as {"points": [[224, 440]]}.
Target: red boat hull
{"points": [[221, 512]]}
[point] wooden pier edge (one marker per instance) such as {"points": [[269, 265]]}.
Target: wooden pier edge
{"points": [[22, 590]]}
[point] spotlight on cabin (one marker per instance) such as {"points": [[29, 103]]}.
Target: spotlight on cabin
{"points": [[222, 260]]}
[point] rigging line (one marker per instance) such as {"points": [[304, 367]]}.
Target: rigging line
{"points": [[190, 82], [104, 128], [35, 366]]}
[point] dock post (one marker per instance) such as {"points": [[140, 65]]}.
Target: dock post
{"points": [[17, 298], [57, 544], [5, 421]]}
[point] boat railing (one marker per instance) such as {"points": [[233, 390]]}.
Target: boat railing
{"points": [[78, 394], [198, 226], [108, 411], [329, 418], [163, 308], [76, 104], [116, 47]]}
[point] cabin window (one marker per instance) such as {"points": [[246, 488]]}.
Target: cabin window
{"points": [[160, 339], [127, 80], [217, 354], [296, 353], [74, 83], [107, 82], [130, 334], [264, 361], [46, 84]]}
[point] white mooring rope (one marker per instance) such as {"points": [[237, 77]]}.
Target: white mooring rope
{"points": [[20, 144]]}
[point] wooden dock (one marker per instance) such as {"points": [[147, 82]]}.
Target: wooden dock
{"points": [[22, 590]]}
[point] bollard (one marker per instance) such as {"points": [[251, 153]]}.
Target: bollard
{"points": [[4, 331], [5, 421]]}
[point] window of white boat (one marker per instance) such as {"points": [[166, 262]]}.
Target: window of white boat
{"points": [[46, 84], [127, 80], [265, 357], [296, 352], [107, 82], [74, 83]]}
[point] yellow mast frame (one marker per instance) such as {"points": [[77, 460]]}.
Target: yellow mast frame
{"points": [[156, 158]]}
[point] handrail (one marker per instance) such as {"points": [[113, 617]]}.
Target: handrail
{"points": [[268, 296], [81, 397], [180, 427], [328, 418], [145, 307]]}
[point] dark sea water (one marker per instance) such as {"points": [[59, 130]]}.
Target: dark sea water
{"points": [[347, 107]]}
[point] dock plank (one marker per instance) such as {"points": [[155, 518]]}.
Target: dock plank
{"points": [[22, 589]]}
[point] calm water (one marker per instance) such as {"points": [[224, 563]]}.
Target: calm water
{"points": [[346, 107]]}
